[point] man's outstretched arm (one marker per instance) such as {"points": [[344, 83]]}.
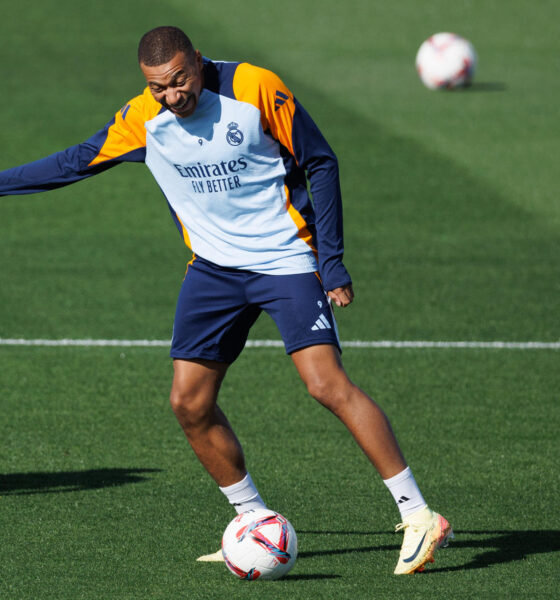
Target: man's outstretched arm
{"points": [[123, 139]]}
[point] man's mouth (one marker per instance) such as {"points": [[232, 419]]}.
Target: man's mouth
{"points": [[179, 108]]}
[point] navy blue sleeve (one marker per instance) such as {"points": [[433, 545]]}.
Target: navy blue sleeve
{"points": [[314, 154], [64, 167]]}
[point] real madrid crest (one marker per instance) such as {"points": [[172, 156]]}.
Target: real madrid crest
{"points": [[234, 137]]}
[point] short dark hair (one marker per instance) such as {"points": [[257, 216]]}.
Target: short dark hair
{"points": [[161, 44]]}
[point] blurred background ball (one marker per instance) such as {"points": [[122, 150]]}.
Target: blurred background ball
{"points": [[446, 61]]}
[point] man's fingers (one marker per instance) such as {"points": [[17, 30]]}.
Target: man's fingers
{"points": [[342, 296]]}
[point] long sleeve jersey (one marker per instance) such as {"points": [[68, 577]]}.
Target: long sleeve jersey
{"points": [[233, 173]]}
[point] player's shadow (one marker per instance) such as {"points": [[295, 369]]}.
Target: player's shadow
{"points": [[485, 86], [501, 547], [68, 481], [315, 576]]}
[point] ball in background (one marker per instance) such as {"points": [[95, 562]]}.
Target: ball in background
{"points": [[446, 61], [259, 544]]}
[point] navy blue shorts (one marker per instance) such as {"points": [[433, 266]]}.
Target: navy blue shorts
{"points": [[217, 306]]}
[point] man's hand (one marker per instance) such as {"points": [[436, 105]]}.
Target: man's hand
{"points": [[342, 296]]}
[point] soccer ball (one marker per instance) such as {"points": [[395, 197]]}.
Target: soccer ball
{"points": [[446, 60], [259, 544]]}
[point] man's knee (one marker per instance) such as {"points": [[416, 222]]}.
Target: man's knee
{"points": [[191, 407], [195, 390], [332, 392]]}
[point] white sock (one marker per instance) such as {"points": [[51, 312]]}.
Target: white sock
{"points": [[243, 495], [406, 493]]}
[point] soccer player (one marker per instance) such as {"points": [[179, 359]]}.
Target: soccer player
{"points": [[232, 150]]}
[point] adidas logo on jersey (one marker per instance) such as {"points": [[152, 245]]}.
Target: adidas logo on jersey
{"points": [[321, 323], [124, 110], [280, 100]]}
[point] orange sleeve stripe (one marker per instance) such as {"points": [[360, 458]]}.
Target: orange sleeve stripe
{"points": [[186, 237], [190, 263], [303, 231], [266, 91], [128, 133]]}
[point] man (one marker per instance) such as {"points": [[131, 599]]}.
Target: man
{"points": [[231, 149]]}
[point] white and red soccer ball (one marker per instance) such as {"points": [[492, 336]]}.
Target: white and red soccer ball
{"points": [[259, 544], [446, 61]]}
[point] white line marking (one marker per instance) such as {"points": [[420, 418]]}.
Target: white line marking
{"points": [[426, 344], [279, 344], [85, 342]]}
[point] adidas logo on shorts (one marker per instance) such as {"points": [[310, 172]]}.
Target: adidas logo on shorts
{"points": [[321, 323]]}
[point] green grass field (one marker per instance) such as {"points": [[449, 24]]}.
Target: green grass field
{"points": [[452, 223]]}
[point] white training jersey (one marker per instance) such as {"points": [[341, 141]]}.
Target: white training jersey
{"points": [[235, 173]]}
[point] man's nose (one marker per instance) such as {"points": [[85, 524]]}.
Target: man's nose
{"points": [[171, 96]]}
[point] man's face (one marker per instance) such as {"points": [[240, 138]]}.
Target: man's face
{"points": [[176, 84]]}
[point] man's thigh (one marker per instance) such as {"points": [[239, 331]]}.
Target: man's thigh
{"points": [[213, 317], [299, 307]]}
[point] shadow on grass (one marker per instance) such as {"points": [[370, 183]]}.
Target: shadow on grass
{"points": [[495, 547], [15, 484], [502, 547], [485, 86], [307, 577], [340, 551]]}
